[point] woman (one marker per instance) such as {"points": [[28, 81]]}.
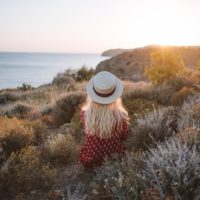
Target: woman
{"points": [[104, 119]]}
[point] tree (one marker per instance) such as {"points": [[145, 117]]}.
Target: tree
{"points": [[165, 65]]}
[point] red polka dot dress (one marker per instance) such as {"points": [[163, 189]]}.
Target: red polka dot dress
{"points": [[95, 149]]}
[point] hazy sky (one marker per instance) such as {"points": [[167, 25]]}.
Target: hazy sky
{"points": [[96, 25]]}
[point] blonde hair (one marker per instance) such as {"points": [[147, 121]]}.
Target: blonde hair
{"points": [[101, 119]]}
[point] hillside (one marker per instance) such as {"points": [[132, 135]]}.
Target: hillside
{"points": [[115, 52], [130, 65]]}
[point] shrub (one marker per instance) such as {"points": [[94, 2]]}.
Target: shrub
{"points": [[20, 110], [76, 128], [189, 114], [172, 169], [84, 74], [14, 135], [39, 130], [153, 126], [117, 178], [6, 97], [66, 106], [182, 95], [24, 172], [165, 65], [64, 80], [190, 136], [25, 87], [61, 149], [138, 107]]}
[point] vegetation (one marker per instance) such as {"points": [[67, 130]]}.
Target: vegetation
{"points": [[165, 65], [41, 134]]}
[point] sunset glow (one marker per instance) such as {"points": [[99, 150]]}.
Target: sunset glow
{"points": [[93, 26]]}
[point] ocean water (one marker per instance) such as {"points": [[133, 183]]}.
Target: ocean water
{"points": [[40, 68]]}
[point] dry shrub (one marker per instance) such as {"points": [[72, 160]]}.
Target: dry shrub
{"points": [[14, 135], [76, 128], [152, 127], [39, 130], [189, 114], [66, 106], [65, 81], [6, 97], [172, 169], [61, 149], [182, 95], [47, 119], [117, 178], [138, 107], [190, 136], [20, 110], [24, 172]]}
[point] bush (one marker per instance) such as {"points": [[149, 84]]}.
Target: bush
{"points": [[84, 74], [20, 110], [24, 172], [165, 65], [25, 87], [172, 170], [6, 97], [61, 149], [153, 126], [64, 80], [117, 178], [182, 95], [189, 114], [76, 128], [14, 135], [138, 107], [190, 136], [39, 130], [66, 106]]}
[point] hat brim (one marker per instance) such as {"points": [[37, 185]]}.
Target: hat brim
{"points": [[105, 100]]}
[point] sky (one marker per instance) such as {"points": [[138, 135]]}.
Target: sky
{"points": [[92, 26]]}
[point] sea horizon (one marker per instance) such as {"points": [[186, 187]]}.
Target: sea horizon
{"points": [[36, 68]]}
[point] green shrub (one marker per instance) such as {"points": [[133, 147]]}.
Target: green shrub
{"points": [[66, 106], [61, 149], [84, 74], [24, 172]]}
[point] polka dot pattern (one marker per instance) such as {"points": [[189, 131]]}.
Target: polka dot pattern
{"points": [[95, 149]]}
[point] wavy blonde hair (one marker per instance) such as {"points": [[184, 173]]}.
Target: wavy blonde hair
{"points": [[100, 119]]}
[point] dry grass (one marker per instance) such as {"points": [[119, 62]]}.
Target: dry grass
{"points": [[61, 150], [14, 135], [24, 172], [66, 106]]}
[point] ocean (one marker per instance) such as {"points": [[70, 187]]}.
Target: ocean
{"points": [[40, 68]]}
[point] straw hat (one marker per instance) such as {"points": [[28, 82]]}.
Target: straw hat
{"points": [[104, 88]]}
